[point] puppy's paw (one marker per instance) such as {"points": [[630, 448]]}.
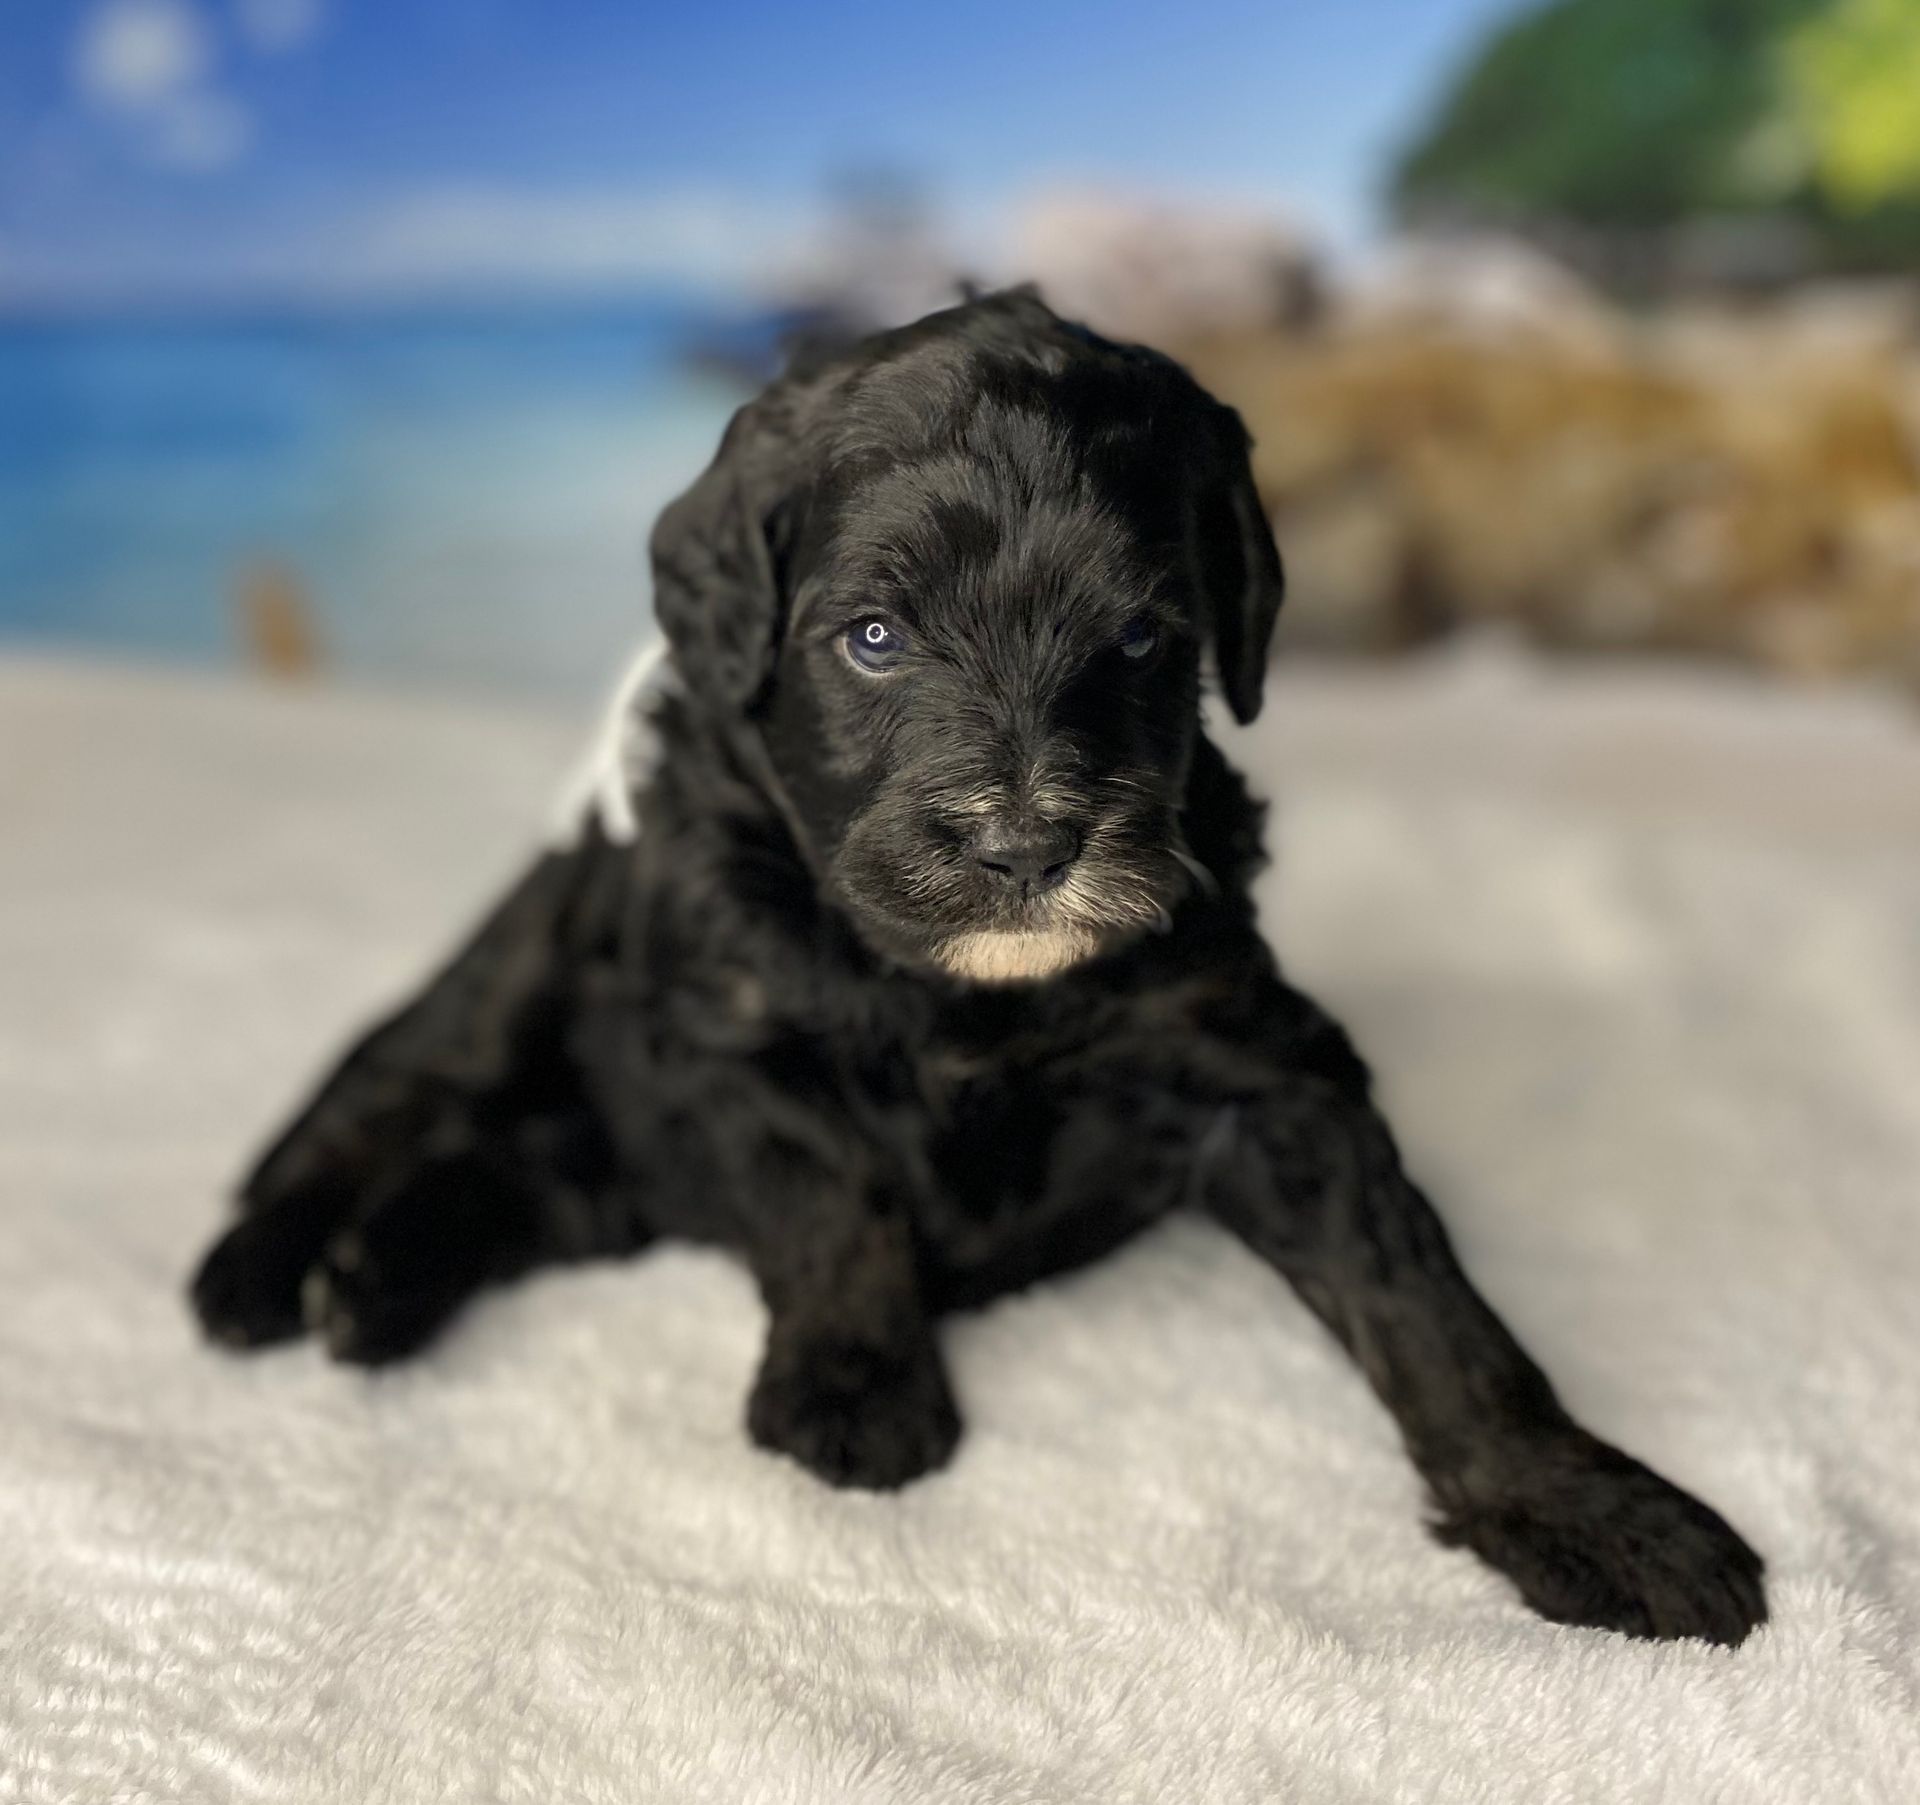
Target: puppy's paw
{"points": [[388, 1284], [247, 1291], [1590, 1536], [371, 1304], [856, 1415]]}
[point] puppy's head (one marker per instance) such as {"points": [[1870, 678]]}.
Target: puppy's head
{"points": [[960, 584]]}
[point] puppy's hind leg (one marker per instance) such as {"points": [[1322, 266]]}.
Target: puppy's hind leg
{"points": [[400, 1084], [476, 1210]]}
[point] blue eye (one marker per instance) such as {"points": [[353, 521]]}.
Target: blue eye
{"points": [[874, 646], [1141, 639]]}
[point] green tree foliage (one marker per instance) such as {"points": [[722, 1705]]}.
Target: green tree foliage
{"points": [[1649, 113], [1856, 69]]}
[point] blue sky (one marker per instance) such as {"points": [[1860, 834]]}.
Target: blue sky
{"points": [[216, 147]]}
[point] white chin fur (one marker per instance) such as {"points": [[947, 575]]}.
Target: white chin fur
{"points": [[1012, 958]]}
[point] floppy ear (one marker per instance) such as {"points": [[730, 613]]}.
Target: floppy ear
{"points": [[1241, 583], [716, 583]]}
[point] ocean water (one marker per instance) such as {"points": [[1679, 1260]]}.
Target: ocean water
{"points": [[463, 496]]}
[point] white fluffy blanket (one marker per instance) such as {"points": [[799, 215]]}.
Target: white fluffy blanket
{"points": [[1639, 962]]}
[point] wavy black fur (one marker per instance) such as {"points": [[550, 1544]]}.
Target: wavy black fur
{"points": [[773, 1023]]}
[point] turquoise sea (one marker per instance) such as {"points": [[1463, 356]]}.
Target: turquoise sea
{"points": [[463, 495]]}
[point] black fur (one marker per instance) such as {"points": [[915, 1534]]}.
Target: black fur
{"points": [[771, 1023]]}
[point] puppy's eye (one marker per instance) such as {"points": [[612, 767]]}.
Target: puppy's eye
{"points": [[1141, 639], [874, 645]]}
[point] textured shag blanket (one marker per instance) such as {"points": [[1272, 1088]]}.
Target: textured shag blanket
{"points": [[1638, 961]]}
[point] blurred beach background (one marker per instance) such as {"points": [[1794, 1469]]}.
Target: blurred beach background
{"points": [[366, 341], [349, 349]]}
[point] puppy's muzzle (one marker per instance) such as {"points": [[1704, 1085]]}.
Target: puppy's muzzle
{"points": [[1025, 857]]}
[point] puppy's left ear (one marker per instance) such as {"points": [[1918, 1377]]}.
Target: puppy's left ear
{"points": [[1240, 579], [716, 578]]}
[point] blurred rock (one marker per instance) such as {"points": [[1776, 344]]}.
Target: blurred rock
{"points": [[1459, 445], [1492, 288], [880, 259], [1160, 273], [1351, 571]]}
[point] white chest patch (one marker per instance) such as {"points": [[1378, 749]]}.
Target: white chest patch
{"points": [[616, 762]]}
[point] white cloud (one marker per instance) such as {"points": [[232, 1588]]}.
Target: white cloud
{"points": [[273, 26], [201, 131], [150, 64], [137, 53], [571, 239]]}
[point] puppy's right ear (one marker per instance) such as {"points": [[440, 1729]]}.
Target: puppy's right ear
{"points": [[716, 578]]}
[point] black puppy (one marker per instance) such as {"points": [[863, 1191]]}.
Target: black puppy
{"points": [[932, 969]]}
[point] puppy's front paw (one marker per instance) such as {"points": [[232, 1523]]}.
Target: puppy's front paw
{"points": [[371, 1305], [853, 1414], [1590, 1536], [247, 1291]]}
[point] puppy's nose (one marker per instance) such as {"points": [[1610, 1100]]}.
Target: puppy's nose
{"points": [[1031, 855]]}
